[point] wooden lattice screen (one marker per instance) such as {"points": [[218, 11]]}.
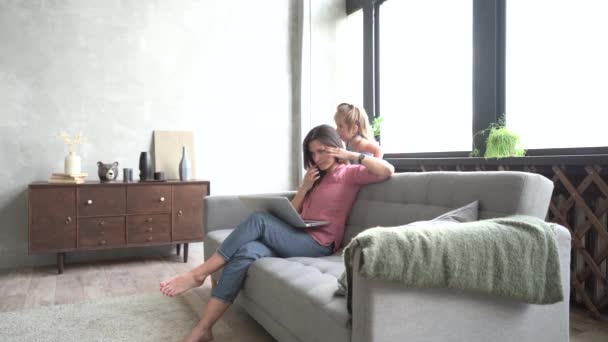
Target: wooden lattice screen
{"points": [[579, 203]]}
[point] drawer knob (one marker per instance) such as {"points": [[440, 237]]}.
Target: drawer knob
{"points": [[102, 232], [102, 223], [162, 199], [89, 202], [149, 229], [68, 220], [180, 213], [149, 219], [102, 242], [149, 238]]}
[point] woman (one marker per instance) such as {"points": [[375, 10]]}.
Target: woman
{"points": [[327, 193]]}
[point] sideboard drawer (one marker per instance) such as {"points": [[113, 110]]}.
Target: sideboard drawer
{"points": [[149, 228], [101, 232], [149, 199], [98, 201]]}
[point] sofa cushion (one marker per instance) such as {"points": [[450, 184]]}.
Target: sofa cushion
{"points": [[299, 293], [467, 213], [417, 196], [296, 292]]}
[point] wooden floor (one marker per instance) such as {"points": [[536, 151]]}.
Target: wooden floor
{"points": [[34, 287], [583, 328], [30, 288]]}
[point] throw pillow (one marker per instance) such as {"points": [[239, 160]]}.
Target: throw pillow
{"points": [[467, 213]]}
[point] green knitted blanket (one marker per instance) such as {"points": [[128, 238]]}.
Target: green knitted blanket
{"points": [[513, 256]]}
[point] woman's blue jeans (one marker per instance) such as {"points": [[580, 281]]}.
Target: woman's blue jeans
{"points": [[260, 235]]}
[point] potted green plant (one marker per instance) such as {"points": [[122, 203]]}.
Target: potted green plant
{"points": [[376, 123], [501, 142]]}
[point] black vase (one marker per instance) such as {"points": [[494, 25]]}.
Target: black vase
{"points": [[145, 166]]}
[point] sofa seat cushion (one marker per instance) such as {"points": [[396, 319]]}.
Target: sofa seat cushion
{"points": [[296, 292], [299, 293]]}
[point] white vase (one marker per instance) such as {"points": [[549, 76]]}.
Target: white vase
{"points": [[73, 164]]}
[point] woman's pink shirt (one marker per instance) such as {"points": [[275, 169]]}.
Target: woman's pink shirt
{"points": [[332, 199]]}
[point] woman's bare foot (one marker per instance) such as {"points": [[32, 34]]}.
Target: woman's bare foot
{"points": [[199, 336], [181, 284]]}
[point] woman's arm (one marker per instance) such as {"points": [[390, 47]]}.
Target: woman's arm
{"points": [[370, 146], [376, 166], [312, 174]]}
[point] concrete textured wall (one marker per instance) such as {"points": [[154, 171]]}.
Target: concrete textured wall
{"points": [[119, 69]]}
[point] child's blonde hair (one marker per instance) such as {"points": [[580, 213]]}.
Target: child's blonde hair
{"points": [[354, 116]]}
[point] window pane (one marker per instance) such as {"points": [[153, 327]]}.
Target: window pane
{"points": [[557, 72], [349, 69], [426, 75]]}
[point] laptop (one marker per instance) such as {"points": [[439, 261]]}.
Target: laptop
{"points": [[280, 207]]}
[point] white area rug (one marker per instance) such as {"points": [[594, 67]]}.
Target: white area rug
{"points": [[148, 317]]}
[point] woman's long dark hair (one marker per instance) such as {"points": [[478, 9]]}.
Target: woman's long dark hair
{"points": [[326, 135]]}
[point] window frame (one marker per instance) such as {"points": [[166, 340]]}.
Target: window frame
{"points": [[489, 67]]}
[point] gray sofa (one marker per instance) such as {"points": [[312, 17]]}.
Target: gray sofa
{"points": [[294, 298]]}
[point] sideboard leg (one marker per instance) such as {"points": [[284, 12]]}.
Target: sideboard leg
{"points": [[178, 248], [60, 257], [186, 252]]}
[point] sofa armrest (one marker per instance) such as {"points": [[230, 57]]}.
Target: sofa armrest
{"points": [[226, 212], [388, 311]]}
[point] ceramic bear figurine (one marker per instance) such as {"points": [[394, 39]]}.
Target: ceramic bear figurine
{"points": [[107, 172]]}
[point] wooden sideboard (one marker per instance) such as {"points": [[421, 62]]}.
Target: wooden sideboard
{"points": [[76, 217]]}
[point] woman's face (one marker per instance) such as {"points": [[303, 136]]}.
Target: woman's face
{"points": [[319, 155]]}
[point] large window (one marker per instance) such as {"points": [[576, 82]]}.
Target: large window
{"points": [[426, 75], [557, 72], [438, 71], [349, 87]]}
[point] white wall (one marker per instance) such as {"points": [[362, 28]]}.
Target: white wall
{"points": [[322, 20], [117, 70]]}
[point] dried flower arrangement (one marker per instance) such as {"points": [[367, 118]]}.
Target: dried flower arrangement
{"points": [[71, 142]]}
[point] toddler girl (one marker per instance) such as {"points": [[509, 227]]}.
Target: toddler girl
{"points": [[353, 127]]}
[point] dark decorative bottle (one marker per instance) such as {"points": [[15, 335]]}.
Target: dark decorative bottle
{"points": [[145, 166], [184, 166]]}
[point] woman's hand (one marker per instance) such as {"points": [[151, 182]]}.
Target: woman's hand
{"points": [[341, 153], [312, 175]]}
